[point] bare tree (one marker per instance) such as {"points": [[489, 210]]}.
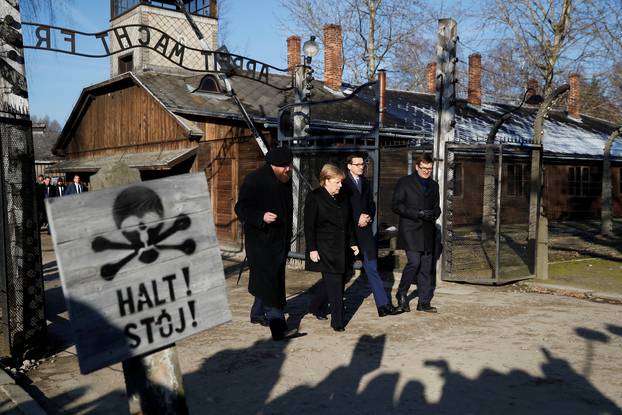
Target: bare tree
{"points": [[373, 30], [606, 19], [543, 30], [505, 72], [409, 60], [597, 100]]}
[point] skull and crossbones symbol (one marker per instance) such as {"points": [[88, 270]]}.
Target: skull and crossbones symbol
{"points": [[133, 210]]}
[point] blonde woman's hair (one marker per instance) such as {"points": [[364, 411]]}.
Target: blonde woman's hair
{"points": [[330, 171]]}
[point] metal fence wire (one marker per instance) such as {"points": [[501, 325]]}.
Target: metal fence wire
{"points": [[21, 283], [486, 227]]}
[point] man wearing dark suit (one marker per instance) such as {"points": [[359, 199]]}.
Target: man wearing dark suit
{"points": [[49, 190], [363, 210], [265, 206], [61, 190], [76, 187], [416, 201]]}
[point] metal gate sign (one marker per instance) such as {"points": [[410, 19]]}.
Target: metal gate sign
{"points": [[140, 267], [122, 38]]}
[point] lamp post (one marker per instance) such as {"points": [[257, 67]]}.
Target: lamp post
{"points": [[303, 78]]}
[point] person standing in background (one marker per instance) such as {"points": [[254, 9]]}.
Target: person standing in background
{"points": [[76, 187], [60, 187]]}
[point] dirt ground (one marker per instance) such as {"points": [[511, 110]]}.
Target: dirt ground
{"points": [[488, 350]]}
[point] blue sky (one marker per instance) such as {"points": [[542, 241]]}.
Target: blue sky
{"points": [[55, 80], [251, 27]]}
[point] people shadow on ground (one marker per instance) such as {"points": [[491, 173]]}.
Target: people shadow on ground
{"points": [[339, 392], [560, 391], [591, 337], [248, 381], [236, 381], [614, 329]]}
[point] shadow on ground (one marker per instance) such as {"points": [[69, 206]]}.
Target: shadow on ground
{"points": [[242, 381]]}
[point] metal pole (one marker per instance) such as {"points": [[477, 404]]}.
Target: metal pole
{"points": [[5, 345], [21, 256], [379, 88], [539, 251], [300, 121], [445, 113], [497, 273]]}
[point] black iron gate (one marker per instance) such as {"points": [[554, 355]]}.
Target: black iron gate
{"points": [[486, 218], [21, 286]]}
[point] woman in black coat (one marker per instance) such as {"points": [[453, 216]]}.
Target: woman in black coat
{"points": [[329, 235]]}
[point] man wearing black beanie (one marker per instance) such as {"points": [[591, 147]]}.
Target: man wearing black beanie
{"points": [[265, 206]]}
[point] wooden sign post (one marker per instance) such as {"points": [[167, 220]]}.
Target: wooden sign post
{"points": [[140, 267]]}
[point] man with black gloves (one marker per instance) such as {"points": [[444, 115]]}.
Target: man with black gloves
{"points": [[265, 206], [416, 201]]}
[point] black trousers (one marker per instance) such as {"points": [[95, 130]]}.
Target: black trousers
{"points": [[419, 269], [330, 290]]}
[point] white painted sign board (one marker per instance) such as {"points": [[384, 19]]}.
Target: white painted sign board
{"points": [[140, 266]]}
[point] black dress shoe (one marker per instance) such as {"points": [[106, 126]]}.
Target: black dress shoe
{"points": [[388, 310], [402, 303], [320, 317], [427, 308], [260, 320], [339, 329], [280, 331]]}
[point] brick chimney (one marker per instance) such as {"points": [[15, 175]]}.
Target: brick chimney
{"points": [[574, 96], [431, 77], [333, 57], [213, 8], [293, 53], [475, 80], [382, 100]]}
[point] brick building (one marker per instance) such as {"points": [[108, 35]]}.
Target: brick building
{"points": [[165, 120]]}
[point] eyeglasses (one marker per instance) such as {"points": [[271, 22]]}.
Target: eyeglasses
{"points": [[425, 168]]}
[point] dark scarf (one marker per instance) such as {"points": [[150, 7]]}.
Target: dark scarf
{"points": [[424, 182]]}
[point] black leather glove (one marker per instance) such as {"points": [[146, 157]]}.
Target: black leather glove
{"points": [[426, 214]]}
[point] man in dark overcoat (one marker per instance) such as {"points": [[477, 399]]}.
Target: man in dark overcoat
{"points": [[416, 201], [363, 210], [265, 206]]}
